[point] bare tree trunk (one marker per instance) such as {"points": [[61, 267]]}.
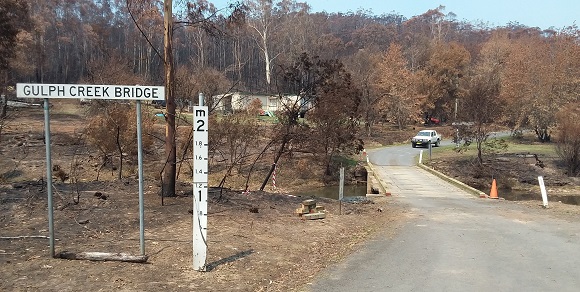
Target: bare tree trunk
{"points": [[120, 153], [169, 175], [267, 60], [479, 139], [40, 61], [3, 106], [3, 102], [184, 152], [278, 155]]}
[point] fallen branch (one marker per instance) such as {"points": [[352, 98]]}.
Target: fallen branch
{"points": [[24, 236], [102, 256]]}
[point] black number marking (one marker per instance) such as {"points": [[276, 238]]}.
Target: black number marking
{"points": [[200, 126]]}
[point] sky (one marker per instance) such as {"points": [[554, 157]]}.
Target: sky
{"points": [[534, 13]]}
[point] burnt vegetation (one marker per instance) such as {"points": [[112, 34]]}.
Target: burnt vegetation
{"points": [[336, 79]]}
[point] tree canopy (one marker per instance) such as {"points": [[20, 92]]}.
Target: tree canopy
{"points": [[370, 68]]}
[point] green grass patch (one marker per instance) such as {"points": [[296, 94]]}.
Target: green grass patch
{"points": [[547, 149], [186, 117], [513, 146], [268, 119], [274, 120], [345, 161], [181, 118]]}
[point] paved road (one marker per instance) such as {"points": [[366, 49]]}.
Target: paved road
{"points": [[454, 241]]}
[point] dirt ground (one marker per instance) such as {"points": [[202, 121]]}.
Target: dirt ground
{"points": [[256, 242]]}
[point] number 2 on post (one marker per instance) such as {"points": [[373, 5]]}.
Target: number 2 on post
{"points": [[200, 123]]}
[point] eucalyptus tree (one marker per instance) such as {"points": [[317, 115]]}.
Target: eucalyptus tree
{"points": [[364, 71], [265, 18], [334, 118], [443, 78], [197, 14], [481, 105], [14, 23], [396, 84], [568, 140], [540, 78], [14, 18]]}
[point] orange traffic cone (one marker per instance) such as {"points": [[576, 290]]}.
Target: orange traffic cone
{"points": [[493, 192]]}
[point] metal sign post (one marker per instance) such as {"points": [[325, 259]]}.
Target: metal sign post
{"points": [[49, 175], [141, 199], [200, 171], [341, 190]]}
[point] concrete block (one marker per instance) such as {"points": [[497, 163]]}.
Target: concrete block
{"points": [[313, 216]]}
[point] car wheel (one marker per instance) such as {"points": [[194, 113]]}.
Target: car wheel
{"points": [[413, 145], [437, 143]]}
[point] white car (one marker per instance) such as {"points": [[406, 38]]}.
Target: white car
{"points": [[426, 137]]}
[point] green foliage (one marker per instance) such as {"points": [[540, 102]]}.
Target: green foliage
{"points": [[268, 119], [494, 146], [506, 145], [345, 161]]}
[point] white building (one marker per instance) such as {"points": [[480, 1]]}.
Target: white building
{"points": [[239, 101]]}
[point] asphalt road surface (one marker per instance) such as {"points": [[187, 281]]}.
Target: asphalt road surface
{"points": [[454, 241]]}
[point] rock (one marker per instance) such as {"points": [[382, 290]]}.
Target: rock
{"points": [[357, 200], [83, 221]]}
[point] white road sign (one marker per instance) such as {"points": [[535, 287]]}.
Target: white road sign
{"points": [[85, 91]]}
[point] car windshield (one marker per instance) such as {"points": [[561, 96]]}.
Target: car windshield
{"points": [[423, 134]]}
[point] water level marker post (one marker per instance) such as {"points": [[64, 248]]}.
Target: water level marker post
{"points": [[200, 170]]}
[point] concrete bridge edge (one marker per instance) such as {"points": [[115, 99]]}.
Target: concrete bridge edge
{"points": [[453, 181]]}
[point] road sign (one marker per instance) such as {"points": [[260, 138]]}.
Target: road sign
{"points": [[47, 91], [200, 170], [84, 91]]}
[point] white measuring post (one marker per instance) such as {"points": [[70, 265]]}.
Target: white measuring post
{"points": [[543, 190], [421, 157], [200, 170]]}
